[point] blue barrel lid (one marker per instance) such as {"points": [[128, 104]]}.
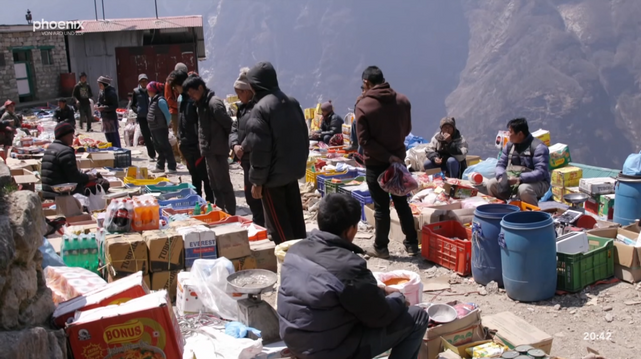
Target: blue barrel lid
{"points": [[495, 210], [527, 220]]}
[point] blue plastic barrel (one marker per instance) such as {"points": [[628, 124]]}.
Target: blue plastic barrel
{"points": [[627, 204], [528, 255], [486, 253]]}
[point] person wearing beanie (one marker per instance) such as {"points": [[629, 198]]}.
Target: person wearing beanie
{"points": [[140, 106], [64, 113], [331, 124], [188, 137], [10, 122], [214, 127], [107, 105], [239, 145], [59, 163], [158, 119], [82, 94], [278, 139], [447, 150]]}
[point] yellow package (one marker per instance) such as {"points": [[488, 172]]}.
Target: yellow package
{"points": [[487, 350]]}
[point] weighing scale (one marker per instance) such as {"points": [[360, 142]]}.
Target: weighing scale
{"points": [[574, 219], [66, 204], [253, 311]]}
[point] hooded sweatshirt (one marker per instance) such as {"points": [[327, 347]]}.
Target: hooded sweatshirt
{"points": [[383, 120], [276, 132]]}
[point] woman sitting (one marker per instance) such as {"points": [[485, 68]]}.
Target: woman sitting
{"points": [[447, 150]]}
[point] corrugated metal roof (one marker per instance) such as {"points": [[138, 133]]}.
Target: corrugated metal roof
{"points": [[172, 22]]}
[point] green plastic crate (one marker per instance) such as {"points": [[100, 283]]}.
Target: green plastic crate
{"points": [[332, 187], [577, 271]]}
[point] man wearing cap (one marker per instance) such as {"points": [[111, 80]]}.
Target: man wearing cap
{"points": [[59, 163], [140, 105], [64, 113], [82, 93], [107, 105], [9, 122], [331, 124]]}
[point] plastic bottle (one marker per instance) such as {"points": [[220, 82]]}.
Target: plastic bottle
{"points": [[209, 208], [129, 207], [66, 251], [83, 251], [75, 246], [93, 253], [196, 209]]}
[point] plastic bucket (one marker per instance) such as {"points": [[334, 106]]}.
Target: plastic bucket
{"points": [[412, 288], [528, 256], [486, 253], [627, 206]]}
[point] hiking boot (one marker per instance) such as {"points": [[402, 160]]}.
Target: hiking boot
{"points": [[171, 172], [157, 170], [412, 250], [372, 251]]}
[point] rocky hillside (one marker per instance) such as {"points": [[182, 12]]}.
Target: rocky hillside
{"points": [[569, 66]]}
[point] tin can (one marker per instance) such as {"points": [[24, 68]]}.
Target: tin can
{"points": [[523, 349], [537, 353], [523, 357], [510, 354]]}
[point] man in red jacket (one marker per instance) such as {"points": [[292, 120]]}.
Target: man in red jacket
{"points": [[383, 120]]}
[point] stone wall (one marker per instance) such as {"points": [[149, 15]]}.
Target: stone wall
{"points": [[46, 78]]}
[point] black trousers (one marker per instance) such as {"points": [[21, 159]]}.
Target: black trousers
{"points": [[218, 170], [198, 172], [162, 145], [382, 212], [146, 134], [284, 212], [255, 205]]}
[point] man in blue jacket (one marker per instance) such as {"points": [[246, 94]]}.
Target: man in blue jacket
{"points": [[329, 303], [523, 166]]}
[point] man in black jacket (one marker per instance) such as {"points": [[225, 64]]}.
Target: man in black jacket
{"points": [[213, 136], [238, 143], [64, 113], [140, 105], [188, 135], [332, 124], [82, 93], [278, 138], [59, 163], [329, 303]]}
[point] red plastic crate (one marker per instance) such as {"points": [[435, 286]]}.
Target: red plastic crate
{"points": [[438, 246]]}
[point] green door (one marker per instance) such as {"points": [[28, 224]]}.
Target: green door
{"points": [[22, 68]]}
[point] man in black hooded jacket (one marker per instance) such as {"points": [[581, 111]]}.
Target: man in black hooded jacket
{"points": [[278, 138]]}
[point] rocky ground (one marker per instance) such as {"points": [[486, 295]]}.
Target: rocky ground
{"points": [[609, 312]]}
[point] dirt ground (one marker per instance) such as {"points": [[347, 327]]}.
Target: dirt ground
{"points": [[611, 313]]}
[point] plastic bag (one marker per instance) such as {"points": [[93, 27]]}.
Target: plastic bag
{"points": [[412, 141], [49, 255], [97, 201], [407, 282], [415, 157], [632, 165], [397, 180], [172, 139], [210, 276], [239, 330], [84, 201], [208, 342], [486, 168]]}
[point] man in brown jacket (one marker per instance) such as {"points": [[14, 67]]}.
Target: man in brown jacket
{"points": [[383, 120]]}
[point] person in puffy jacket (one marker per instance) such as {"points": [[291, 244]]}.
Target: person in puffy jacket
{"points": [[10, 122], [279, 141], [329, 303], [522, 167], [158, 119], [447, 149], [214, 127], [188, 136], [239, 145], [64, 113], [331, 124], [107, 105]]}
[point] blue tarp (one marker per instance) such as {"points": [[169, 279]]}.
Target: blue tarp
{"points": [[412, 141]]}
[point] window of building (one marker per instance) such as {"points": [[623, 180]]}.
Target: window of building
{"points": [[2, 63], [47, 58]]}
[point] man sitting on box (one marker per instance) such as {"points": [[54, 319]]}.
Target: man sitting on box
{"points": [[522, 167], [329, 303]]}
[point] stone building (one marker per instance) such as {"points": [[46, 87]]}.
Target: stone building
{"points": [[31, 63]]}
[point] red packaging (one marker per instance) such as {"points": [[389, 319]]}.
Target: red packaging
{"points": [[117, 292], [144, 327]]}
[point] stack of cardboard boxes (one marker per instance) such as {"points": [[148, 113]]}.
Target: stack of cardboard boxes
{"points": [[601, 202], [564, 181], [233, 244], [126, 254], [166, 259]]}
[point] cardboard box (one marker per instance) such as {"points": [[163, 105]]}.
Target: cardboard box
{"points": [[513, 331], [461, 350], [472, 160], [101, 159], [126, 253], [199, 242], [146, 322], [459, 191], [25, 178], [559, 156], [263, 252], [188, 299], [244, 263], [566, 176], [115, 292], [461, 331], [627, 259], [29, 165], [232, 242], [542, 135], [165, 280], [165, 250], [84, 163], [596, 186], [606, 207]]}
